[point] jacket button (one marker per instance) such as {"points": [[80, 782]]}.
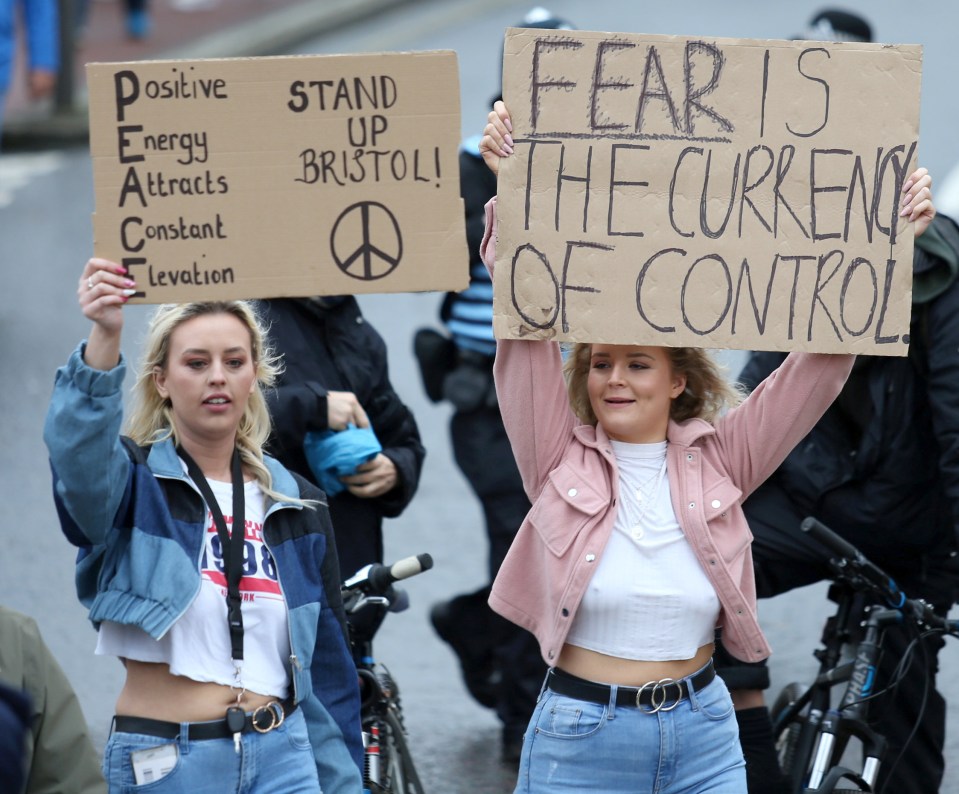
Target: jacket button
{"points": [[572, 492], [565, 612], [712, 562], [692, 505], [590, 557], [551, 654], [715, 503], [689, 457]]}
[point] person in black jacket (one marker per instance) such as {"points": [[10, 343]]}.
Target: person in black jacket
{"points": [[882, 470], [336, 374]]}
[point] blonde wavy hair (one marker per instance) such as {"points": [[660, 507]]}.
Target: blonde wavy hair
{"points": [[708, 393], [151, 418]]}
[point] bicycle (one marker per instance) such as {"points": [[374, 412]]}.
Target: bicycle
{"points": [[368, 595], [811, 733]]}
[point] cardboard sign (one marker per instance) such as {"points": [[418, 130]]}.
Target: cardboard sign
{"points": [[271, 177], [719, 193]]}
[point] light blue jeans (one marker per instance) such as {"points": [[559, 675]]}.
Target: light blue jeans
{"points": [[575, 745], [268, 763]]}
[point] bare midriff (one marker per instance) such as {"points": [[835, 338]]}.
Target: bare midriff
{"points": [[151, 690], [595, 666]]}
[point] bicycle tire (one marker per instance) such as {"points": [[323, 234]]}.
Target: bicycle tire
{"points": [[400, 763], [788, 738]]}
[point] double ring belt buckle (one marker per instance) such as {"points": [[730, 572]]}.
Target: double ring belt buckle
{"points": [[658, 695], [274, 710]]}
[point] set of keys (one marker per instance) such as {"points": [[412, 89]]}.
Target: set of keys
{"points": [[236, 722]]}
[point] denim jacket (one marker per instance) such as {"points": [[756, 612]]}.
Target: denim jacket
{"points": [[571, 478], [139, 524]]}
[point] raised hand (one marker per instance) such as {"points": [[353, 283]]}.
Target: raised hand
{"points": [[917, 200], [497, 141]]}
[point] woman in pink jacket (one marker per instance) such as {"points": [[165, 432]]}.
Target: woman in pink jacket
{"points": [[636, 549]]}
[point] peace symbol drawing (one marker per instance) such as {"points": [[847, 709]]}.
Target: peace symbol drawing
{"points": [[366, 242]]}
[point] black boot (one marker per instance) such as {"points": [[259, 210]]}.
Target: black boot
{"points": [[464, 623], [763, 775]]}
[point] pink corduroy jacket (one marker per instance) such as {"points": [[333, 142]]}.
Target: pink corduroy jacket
{"points": [[571, 478]]}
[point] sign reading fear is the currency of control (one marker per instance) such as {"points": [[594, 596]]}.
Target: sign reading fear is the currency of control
{"points": [[708, 192], [270, 177]]}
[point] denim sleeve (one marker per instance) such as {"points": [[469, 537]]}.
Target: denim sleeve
{"points": [[82, 434]]}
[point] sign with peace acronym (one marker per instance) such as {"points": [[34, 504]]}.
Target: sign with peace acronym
{"points": [[722, 193], [271, 177]]}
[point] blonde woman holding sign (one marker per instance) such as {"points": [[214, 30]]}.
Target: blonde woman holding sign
{"points": [[207, 567], [636, 549]]}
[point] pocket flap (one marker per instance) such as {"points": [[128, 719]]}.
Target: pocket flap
{"points": [[564, 507], [719, 498]]}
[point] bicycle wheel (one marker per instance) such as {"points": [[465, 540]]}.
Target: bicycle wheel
{"points": [[787, 741], [401, 773], [791, 759]]}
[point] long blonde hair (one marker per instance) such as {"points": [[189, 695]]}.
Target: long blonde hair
{"points": [[151, 418], [708, 393]]}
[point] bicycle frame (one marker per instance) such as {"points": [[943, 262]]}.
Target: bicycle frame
{"points": [[827, 729], [812, 733]]}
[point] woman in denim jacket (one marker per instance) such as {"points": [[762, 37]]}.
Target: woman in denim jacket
{"points": [[636, 549], [238, 669]]}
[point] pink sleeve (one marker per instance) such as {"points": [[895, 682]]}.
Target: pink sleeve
{"points": [[531, 391], [758, 435]]}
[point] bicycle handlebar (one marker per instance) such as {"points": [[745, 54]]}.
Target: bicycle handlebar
{"points": [[846, 551], [382, 576], [377, 578], [920, 611]]}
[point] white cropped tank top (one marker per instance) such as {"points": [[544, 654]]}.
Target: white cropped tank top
{"points": [[649, 598]]}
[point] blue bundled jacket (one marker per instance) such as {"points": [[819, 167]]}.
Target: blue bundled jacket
{"points": [[139, 524]]}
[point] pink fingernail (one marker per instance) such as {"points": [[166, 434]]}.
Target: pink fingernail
{"points": [[129, 283], [509, 124], [120, 269], [509, 140], [507, 150]]}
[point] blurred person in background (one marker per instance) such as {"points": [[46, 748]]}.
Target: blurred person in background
{"points": [[136, 17], [45, 745], [39, 21], [336, 378]]}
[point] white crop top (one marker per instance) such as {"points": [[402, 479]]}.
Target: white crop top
{"points": [[649, 598], [198, 644]]}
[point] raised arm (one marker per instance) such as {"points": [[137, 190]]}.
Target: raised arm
{"points": [[82, 428]]}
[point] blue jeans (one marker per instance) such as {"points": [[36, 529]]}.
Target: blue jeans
{"points": [[281, 760], [575, 745]]}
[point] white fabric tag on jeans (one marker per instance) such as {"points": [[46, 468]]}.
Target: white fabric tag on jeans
{"points": [[153, 763]]}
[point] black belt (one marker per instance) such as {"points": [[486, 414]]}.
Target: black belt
{"points": [[262, 720], [654, 696]]}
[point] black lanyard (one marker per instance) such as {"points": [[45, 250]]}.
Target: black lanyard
{"points": [[231, 544]]}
